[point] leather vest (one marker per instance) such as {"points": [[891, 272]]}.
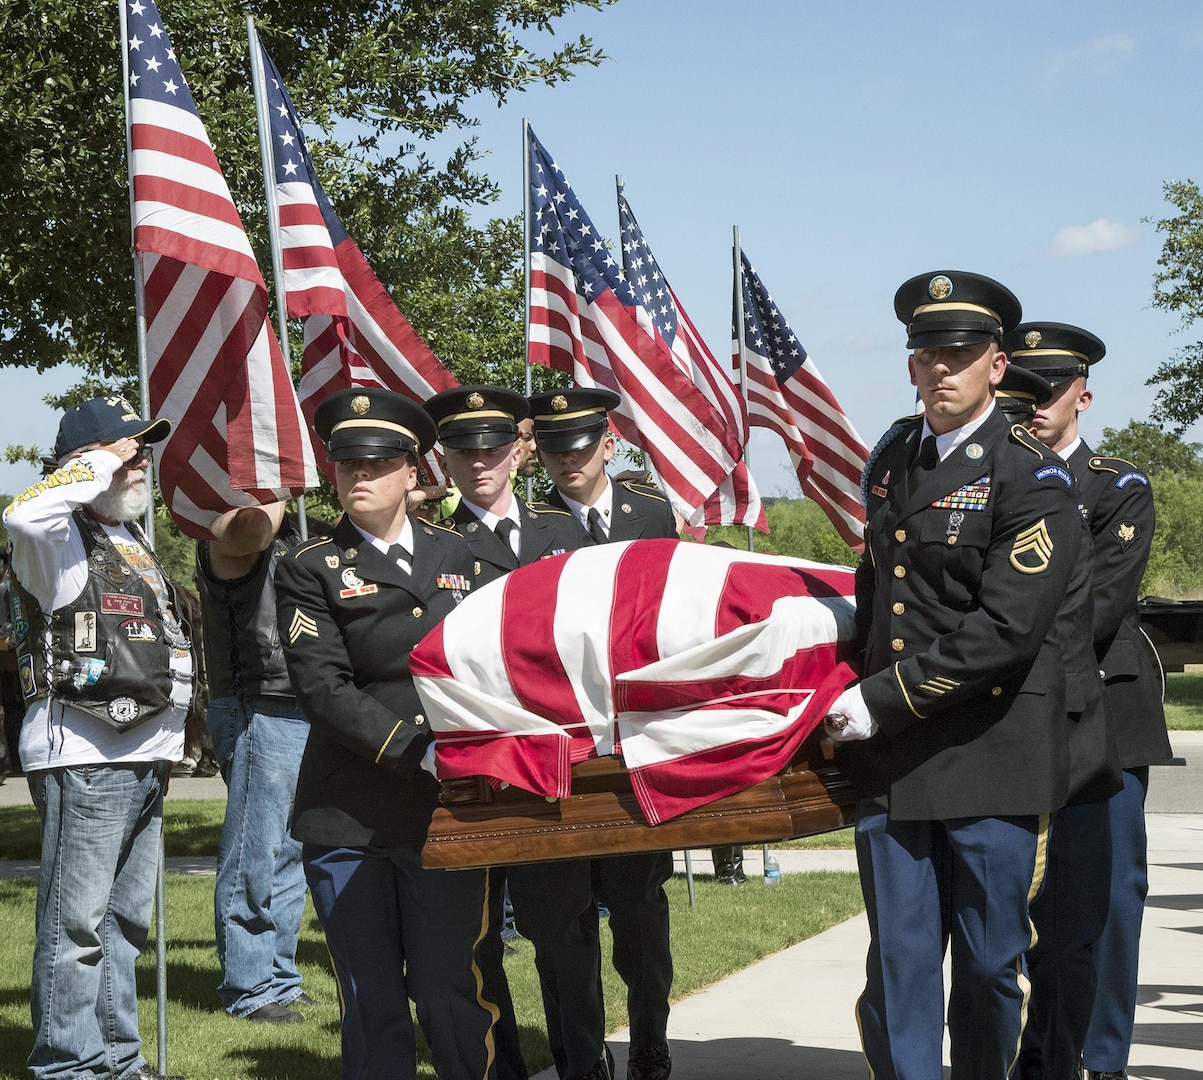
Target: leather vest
{"points": [[110, 648], [243, 654]]}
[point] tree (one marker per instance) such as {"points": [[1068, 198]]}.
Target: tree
{"points": [[1152, 450], [401, 73], [1178, 287], [799, 529]]}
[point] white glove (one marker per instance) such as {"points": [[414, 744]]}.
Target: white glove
{"points": [[427, 762], [848, 718]]}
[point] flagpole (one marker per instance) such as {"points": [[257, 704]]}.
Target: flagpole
{"points": [[736, 253], [526, 227], [149, 529], [266, 155]]}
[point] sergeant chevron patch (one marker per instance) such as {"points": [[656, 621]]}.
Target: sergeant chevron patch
{"points": [[301, 624], [1032, 549]]}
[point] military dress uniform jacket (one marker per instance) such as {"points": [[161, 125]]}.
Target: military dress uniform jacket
{"points": [[958, 595], [545, 531], [1118, 503], [349, 617], [640, 512]]}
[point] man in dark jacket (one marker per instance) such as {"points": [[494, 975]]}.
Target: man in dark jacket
{"points": [[957, 735], [1118, 503]]}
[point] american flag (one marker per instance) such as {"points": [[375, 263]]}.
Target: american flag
{"points": [[704, 667], [354, 333], [216, 370], [787, 394], [585, 319], [737, 501]]}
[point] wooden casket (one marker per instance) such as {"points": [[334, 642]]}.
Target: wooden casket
{"points": [[476, 826]]}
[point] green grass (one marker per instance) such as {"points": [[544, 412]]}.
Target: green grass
{"points": [[1184, 701], [727, 930]]}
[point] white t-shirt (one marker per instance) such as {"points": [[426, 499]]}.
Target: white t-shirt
{"points": [[50, 561]]}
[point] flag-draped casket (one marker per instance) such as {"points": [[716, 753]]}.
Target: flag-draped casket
{"points": [[612, 698]]}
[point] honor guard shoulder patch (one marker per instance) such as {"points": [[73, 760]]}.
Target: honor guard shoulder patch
{"points": [[1032, 550], [1057, 471], [301, 624], [1125, 532], [1133, 477]]}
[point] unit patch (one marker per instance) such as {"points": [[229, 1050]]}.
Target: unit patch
{"points": [[1125, 532], [1057, 471], [973, 496], [85, 631], [1032, 550], [120, 604]]}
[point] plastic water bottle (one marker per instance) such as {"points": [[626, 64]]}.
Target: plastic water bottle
{"points": [[772, 871]]}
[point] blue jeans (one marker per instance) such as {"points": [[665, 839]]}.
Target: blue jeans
{"points": [[260, 892], [101, 826]]}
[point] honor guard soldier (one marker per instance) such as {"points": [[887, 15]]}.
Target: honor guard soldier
{"points": [[573, 441], [956, 736], [1118, 504], [478, 427], [350, 609], [1019, 392]]}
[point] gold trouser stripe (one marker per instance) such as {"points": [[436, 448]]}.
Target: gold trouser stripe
{"points": [[389, 739], [1038, 871], [338, 983], [489, 1006], [860, 1031], [898, 676]]}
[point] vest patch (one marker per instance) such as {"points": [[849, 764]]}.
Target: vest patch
{"points": [[120, 604]]}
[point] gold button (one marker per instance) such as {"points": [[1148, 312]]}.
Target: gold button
{"points": [[997, 691], [900, 535], [899, 608], [898, 644], [417, 613], [900, 571], [419, 719]]}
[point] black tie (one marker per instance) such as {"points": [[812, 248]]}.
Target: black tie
{"points": [[503, 528], [926, 460], [595, 526], [397, 552]]}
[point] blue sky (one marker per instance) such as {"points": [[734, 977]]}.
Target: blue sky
{"points": [[858, 144]]}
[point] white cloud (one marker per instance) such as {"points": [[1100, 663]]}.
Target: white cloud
{"points": [[1101, 55], [1101, 235]]}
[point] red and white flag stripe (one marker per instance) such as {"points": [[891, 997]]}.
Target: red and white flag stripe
{"points": [[215, 367], [703, 667]]}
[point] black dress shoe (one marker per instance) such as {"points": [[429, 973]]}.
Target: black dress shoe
{"points": [[649, 1063], [302, 999], [147, 1073], [275, 1013]]}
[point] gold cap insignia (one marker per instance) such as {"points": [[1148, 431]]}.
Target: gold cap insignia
{"points": [[1032, 550], [559, 403], [939, 288], [1032, 338], [475, 401], [360, 404]]}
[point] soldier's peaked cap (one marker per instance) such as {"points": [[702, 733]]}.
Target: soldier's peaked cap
{"points": [[564, 420], [476, 417], [369, 422], [944, 308], [1057, 351], [1020, 391]]}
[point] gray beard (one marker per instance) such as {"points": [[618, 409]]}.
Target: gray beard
{"points": [[123, 502]]}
